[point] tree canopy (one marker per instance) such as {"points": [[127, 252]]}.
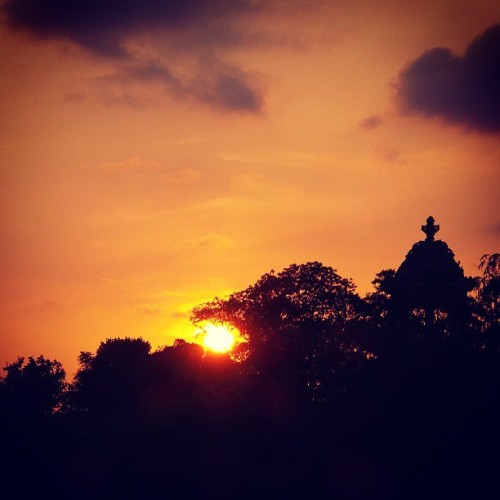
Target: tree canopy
{"points": [[307, 293], [114, 377], [299, 295], [291, 322], [33, 388], [488, 291]]}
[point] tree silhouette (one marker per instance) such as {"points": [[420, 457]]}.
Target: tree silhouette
{"points": [[32, 390], [291, 321], [488, 300], [114, 378], [379, 302], [31, 395], [489, 289]]}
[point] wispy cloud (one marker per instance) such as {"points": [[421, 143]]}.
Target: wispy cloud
{"points": [[147, 310], [371, 122], [216, 84], [132, 164], [135, 166], [50, 306], [209, 241]]}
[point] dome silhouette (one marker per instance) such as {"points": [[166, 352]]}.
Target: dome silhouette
{"points": [[429, 278]]}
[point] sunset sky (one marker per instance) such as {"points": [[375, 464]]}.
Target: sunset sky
{"points": [[155, 154]]}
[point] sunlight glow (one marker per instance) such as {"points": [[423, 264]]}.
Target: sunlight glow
{"points": [[218, 338]]}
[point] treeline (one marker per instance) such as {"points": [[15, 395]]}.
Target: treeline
{"points": [[328, 395]]}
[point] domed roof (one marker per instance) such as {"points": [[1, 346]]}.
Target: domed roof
{"points": [[429, 276]]}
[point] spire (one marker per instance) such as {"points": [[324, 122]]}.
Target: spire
{"points": [[430, 229]]}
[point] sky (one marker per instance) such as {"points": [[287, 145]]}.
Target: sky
{"points": [[156, 154]]}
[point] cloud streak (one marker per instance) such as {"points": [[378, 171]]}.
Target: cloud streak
{"points": [[147, 310], [461, 90], [214, 83], [371, 122]]}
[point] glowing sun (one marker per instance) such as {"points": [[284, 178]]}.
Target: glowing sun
{"points": [[218, 338]]}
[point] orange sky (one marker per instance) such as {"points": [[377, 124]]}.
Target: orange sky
{"points": [[148, 164]]}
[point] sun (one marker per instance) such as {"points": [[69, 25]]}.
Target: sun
{"points": [[218, 338]]}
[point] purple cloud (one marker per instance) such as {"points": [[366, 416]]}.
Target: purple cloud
{"points": [[462, 90]]}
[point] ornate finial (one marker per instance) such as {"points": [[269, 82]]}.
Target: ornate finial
{"points": [[430, 229]]}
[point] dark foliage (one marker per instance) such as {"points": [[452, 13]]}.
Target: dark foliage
{"points": [[32, 389], [290, 320], [114, 378], [488, 292], [378, 303]]}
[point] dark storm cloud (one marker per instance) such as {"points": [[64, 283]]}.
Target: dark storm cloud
{"points": [[463, 90], [102, 25]]}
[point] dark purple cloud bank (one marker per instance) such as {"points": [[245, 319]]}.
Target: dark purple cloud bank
{"points": [[103, 27], [463, 90]]}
